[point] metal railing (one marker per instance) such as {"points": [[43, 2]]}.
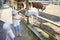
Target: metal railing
{"points": [[47, 20], [45, 24], [44, 19], [45, 2]]}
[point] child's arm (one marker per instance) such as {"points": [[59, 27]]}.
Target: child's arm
{"points": [[19, 18], [11, 35], [16, 18]]}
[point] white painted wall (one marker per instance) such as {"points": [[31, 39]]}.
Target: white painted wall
{"points": [[6, 14]]}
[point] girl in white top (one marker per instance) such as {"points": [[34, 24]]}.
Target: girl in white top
{"points": [[16, 23]]}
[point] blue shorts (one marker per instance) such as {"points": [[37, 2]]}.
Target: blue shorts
{"points": [[17, 28]]}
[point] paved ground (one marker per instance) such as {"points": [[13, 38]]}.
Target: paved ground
{"points": [[53, 12], [25, 35]]}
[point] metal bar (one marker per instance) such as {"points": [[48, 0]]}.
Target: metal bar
{"points": [[43, 1], [52, 22]]}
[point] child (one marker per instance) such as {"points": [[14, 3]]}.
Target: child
{"points": [[9, 33], [16, 23]]}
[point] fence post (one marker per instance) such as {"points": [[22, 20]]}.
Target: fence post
{"points": [[27, 7], [41, 23]]}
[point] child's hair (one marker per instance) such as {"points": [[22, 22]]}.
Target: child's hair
{"points": [[12, 14]]}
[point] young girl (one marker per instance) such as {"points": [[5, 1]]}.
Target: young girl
{"points": [[16, 23]]}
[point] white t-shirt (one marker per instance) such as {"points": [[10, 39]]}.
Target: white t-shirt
{"points": [[15, 21]]}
